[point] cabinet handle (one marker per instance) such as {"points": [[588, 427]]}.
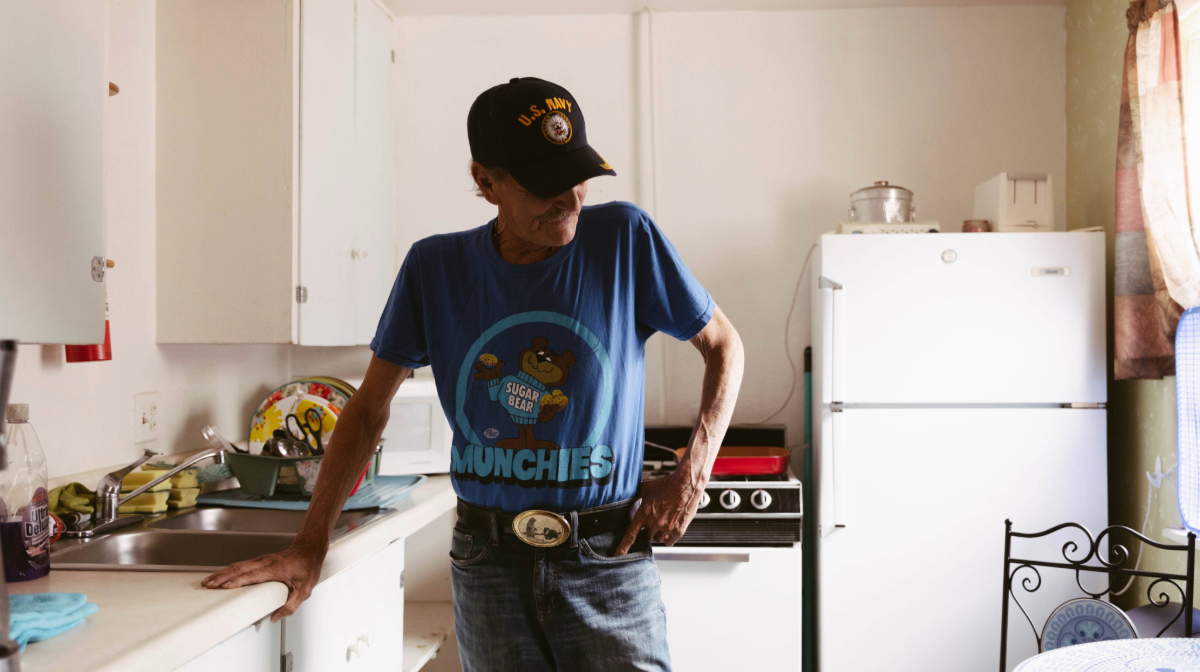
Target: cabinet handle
{"points": [[359, 253], [703, 557], [365, 639], [354, 649]]}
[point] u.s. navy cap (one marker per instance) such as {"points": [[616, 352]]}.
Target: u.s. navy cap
{"points": [[534, 129]]}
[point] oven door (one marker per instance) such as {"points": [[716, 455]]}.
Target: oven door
{"points": [[417, 437], [732, 607]]}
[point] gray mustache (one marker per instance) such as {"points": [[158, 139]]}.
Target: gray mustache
{"points": [[554, 217]]}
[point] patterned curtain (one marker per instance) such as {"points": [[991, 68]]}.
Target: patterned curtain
{"points": [[1157, 249]]}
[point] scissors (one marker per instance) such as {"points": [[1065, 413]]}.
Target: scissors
{"points": [[309, 430]]}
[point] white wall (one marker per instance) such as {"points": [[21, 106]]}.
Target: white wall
{"points": [[83, 412], [766, 122]]}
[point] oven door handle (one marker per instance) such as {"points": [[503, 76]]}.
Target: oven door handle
{"points": [[701, 557]]}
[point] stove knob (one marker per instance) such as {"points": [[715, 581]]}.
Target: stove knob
{"points": [[760, 499], [730, 499], [705, 500]]}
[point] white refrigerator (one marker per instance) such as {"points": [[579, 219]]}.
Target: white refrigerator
{"points": [[958, 381]]}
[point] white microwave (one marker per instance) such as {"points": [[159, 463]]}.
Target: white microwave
{"points": [[417, 437]]}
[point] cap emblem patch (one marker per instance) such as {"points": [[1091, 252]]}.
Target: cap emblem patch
{"points": [[557, 128]]}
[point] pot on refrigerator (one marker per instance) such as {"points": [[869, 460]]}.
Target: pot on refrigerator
{"points": [[882, 203]]}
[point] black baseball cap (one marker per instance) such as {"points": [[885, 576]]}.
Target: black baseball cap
{"points": [[533, 129]]}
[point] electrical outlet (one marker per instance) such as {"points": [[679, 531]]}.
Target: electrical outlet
{"points": [[145, 417]]}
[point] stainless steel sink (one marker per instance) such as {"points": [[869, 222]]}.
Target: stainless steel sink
{"points": [[204, 539], [148, 550], [255, 520]]}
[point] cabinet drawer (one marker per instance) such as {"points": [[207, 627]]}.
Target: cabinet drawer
{"points": [[255, 649]]}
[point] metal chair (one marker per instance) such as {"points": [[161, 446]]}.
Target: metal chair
{"points": [[1146, 618]]}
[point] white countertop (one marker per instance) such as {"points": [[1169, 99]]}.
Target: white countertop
{"points": [[153, 621]]}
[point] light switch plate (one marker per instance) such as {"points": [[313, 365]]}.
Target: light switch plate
{"points": [[145, 417]]}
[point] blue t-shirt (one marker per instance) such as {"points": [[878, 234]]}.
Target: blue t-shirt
{"points": [[540, 368]]}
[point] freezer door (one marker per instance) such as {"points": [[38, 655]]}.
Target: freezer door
{"points": [[964, 318], [913, 581]]}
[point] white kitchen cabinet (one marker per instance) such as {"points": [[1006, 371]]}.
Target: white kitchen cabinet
{"points": [[276, 171], [52, 96], [255, 649], [735, 608], [352, 621]]}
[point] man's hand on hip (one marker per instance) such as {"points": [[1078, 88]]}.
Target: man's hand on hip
{"points": [[668, 506]]}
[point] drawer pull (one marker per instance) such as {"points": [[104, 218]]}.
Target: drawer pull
{"points": [[702, 557]]}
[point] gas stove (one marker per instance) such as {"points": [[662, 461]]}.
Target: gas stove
{"points": [[737, 510]]}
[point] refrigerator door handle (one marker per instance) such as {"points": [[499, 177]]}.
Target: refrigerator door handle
{"points": [[841, 471], [838, 372], [833, 306]]}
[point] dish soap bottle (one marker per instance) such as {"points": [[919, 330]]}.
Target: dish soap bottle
{"points": [[24, 502]]}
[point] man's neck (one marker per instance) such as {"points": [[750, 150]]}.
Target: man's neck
{"points": [[514, 249]]}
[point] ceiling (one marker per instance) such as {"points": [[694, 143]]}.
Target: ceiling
{"points": [[482, 7]]}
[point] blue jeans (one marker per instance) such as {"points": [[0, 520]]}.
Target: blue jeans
{"points": [[573, 607]]}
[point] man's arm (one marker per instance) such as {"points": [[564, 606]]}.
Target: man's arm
{"points": [[359, 427], [670, 503]]}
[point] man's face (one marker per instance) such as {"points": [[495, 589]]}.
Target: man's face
{"points": [[539, 221]]}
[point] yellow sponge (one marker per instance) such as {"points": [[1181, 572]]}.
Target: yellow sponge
{"points": [[147, 502], [184, 479], [137, 479], [183, 498]]}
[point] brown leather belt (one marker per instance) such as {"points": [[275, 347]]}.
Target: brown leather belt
{"points": [[547, 528]]}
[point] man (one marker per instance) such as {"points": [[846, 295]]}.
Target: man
{"points": [[535, 325]]}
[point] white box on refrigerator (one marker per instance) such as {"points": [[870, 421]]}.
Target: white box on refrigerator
{"points": [[1015, 202]]}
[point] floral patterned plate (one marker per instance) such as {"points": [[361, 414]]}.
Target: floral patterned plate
{"points": [[275, 417], [336, 392]]}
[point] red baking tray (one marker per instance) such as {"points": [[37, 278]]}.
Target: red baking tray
{"points": [[748, 460]]}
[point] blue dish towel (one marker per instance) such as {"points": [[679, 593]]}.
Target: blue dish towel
{"points": [[39, 616]]}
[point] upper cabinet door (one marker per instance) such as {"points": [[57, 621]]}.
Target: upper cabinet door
{"points": [[327, 172], [375, 188], [52, 96]]}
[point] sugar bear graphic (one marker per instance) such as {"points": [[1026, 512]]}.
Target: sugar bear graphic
{"points": [[525, 395]]}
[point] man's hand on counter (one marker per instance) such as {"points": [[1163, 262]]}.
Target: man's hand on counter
{"points": [[298, 568]]}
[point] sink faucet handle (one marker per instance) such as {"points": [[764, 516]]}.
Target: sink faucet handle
{"points": [[111, 482], [108, 490]]}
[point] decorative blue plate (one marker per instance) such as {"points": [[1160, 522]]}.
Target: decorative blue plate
{"points": [[1132, 655], [1085, 621]]}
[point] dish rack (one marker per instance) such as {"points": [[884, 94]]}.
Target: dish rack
{"points": [[269, 476]]}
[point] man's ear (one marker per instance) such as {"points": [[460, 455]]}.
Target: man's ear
{"points": [[484, 182]]}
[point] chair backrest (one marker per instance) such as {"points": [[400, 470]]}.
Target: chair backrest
{"points": [[1094, 559]]}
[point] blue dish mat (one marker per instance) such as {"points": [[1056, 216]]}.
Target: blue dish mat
{"points": [[385, 491]]}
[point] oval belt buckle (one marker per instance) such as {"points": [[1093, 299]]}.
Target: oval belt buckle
{"points": [[541, 528]]}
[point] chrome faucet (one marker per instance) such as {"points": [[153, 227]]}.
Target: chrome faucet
{"points": [[106, 516]]}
